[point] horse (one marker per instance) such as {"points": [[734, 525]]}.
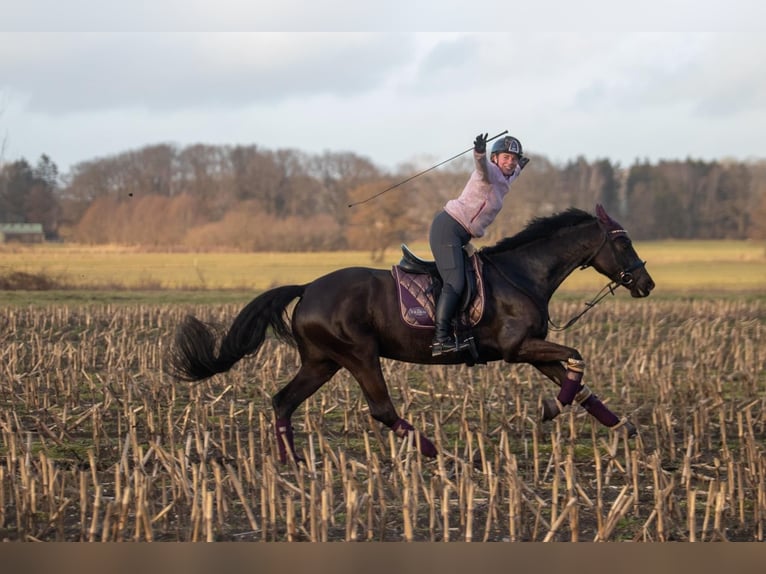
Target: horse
{"points": [[350, 318]]}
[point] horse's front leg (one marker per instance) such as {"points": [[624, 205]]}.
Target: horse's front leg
{"points": [[565, 366], [589, 401], [553, 357]]}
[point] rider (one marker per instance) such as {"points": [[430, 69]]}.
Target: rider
{"points": [[466, 217]]}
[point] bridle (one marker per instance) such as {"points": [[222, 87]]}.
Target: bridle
{"points": [[624, 277]]}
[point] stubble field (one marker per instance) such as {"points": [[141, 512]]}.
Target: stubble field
{"points": [[97, 444]]}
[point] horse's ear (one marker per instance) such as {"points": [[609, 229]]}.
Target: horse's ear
{"points": [[601, 213], [605, 219]]}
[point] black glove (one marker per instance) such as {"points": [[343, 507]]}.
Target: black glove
{"points": [[523, 161], [480, 143]]}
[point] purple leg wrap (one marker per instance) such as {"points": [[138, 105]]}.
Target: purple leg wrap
{"points": [[284, 429], [570, 387], [599, 410], [426, 447]]}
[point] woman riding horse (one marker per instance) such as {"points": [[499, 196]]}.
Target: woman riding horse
{"points": [[350, 319], [464, 218]]}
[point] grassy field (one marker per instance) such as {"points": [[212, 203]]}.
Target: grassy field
{"points": [[97, 443], [697, 267]]}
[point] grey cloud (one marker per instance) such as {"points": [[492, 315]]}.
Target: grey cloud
{"points": [[707, 74], [451, 54], [394, 15], [449, 65], [65, 73], [729, 79], [184, 16]]}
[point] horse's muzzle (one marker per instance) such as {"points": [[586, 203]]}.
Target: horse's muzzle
{"points": [[641, 285], [637, 279]]}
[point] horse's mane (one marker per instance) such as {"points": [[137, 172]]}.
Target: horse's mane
{"points": [[540, 228]]}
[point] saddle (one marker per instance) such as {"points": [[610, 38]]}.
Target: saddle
{"points": [[419, 285]]}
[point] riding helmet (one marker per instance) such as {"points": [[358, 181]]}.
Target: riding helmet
{"points": [[508, 144]]}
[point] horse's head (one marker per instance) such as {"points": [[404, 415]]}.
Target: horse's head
{"points": [[618, 260]]}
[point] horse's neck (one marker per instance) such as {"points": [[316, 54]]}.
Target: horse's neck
{"points": [[548, 263]]}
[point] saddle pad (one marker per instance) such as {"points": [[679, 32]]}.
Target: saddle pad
{"points": [[416, 300]]}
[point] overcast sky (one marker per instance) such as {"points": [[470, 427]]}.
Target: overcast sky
{"points": [[84, 79]]}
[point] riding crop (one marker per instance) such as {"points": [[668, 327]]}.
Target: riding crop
{"points": [[422, 172]]}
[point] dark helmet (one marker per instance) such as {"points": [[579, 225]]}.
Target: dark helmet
{"points": [[508, 144]]}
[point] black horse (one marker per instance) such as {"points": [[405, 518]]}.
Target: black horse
{"points": [[350, 318]]}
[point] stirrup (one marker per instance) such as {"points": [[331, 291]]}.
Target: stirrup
{"points": [[450, 345]]}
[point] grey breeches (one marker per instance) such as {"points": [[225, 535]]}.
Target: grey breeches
{"points": [[447, 238]]}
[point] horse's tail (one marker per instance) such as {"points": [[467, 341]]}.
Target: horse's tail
{"points": [[194, 357]]}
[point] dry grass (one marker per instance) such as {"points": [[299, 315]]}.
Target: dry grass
{"points": [[97, 444]]}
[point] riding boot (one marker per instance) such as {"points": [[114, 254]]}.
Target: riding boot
{"points": [[444, 339]]}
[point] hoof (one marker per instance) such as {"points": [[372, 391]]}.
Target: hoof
{"points": [[402, 429], [627, 426], [427, 448], [285, 459], [550, 409], [285, 442]]}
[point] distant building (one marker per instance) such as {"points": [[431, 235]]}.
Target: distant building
{"points": [[22, 232]]}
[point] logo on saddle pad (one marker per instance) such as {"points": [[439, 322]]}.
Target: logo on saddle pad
{"points": [[417, 304]]}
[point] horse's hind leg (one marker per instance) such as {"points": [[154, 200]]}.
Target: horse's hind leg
{"points": [[583, 395], [308, 380], [370, 378]]}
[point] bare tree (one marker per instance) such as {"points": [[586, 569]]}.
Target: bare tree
{"points": [[669, 199], [377, 225]]}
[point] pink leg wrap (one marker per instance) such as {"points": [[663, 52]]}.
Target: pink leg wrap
{"points": [[401, 428], [600, 411], [283, 428], [570, 387]]}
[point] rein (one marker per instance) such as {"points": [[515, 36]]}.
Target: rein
{"points": [[605, 290]]}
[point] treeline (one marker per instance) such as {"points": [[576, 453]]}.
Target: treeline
{"points": [[30, 194], [249, 198]]}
